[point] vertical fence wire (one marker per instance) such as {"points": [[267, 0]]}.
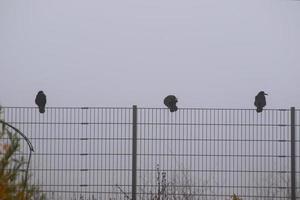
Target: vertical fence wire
{"points": [[86, 153], [297, 150], [293, 154]]}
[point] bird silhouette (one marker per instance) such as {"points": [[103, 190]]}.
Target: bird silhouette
{"points": [[40, 101], [260, 101], [170, 101]]}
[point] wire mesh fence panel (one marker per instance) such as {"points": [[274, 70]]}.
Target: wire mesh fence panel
{"points": [[86, 153], [213, 154], [79, 153]]}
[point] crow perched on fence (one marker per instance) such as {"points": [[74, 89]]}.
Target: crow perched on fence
{"points": [[40, 101], [170, 101], [260, 101]]}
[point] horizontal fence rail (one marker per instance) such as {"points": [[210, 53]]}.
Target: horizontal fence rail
{"points": [[194, 153]]}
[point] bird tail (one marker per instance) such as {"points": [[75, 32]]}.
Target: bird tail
{"points": [[259, 109], [173, 108], [42, 109]]}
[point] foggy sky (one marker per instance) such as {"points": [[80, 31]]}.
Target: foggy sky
{"points": [[120, 53]]}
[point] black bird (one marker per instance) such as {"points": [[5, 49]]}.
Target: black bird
{"points": [[260, 101], [170, 101], [40, 101]]}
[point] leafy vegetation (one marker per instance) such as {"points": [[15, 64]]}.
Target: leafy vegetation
{"points": [[14, 185]]}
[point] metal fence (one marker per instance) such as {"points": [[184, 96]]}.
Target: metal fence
{"points": [[150, 153]]}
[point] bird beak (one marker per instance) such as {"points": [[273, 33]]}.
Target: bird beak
{"points": [[265, 94]]}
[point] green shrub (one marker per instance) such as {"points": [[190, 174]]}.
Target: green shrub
{"points": [[14, 186]]}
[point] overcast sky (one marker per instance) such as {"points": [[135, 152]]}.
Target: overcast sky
{"points": [[119, 53]]}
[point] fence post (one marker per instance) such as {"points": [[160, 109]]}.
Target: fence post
{"points": [[293, 161], [134, 149]]}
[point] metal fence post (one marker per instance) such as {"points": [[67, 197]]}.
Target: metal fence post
{"points": [[134, 149], [293, 159]]}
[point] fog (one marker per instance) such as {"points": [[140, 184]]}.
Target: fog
{"points": [[120, 53], [210, 54]]}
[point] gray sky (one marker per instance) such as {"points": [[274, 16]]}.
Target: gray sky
{"points": [[118, 53]]}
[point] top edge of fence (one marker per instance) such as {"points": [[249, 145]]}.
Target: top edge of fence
{"points": [[144, 108], [190, 108], [65, 107]]}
